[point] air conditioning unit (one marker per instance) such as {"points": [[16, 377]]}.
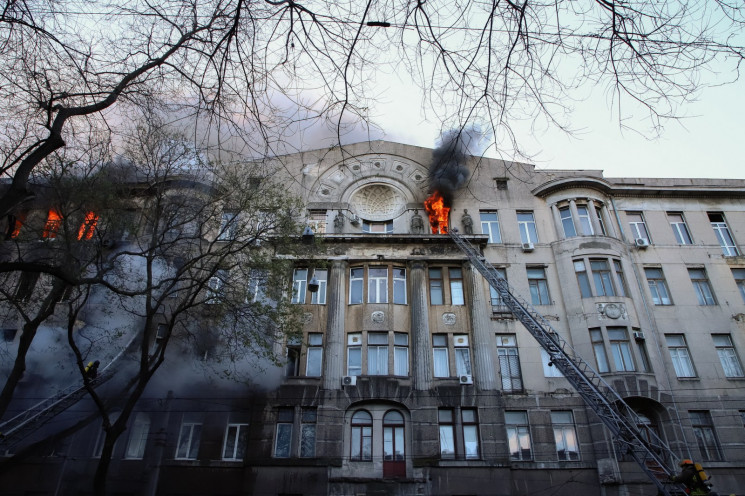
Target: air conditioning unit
{"points": [[641, 243], [639, 336], [349, 380], [528, 247], [466, 379]]}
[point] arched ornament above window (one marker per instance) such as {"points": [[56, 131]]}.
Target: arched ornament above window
{"points": [[378, 202]]}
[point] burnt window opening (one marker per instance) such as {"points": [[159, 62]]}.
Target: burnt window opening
{"points": [[9, 335], [501, 183]]}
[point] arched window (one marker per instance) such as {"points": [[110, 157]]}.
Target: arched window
{"points": [[362, 436], [393, 436]]}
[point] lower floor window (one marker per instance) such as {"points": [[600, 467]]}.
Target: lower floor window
{"points": [[188, 441], [236, 436], [565, 435], [518, 435]]}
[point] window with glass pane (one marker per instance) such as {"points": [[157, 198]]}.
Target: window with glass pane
{"points": [[393, 436], [598, 347], [356, 282], [643, 356], [680, 229], [509, 362], [292, 368], [602, 278], [400, 354], [236, 438], [354, 354], [440, 351], [447, 432], [582, 279], [319, 297], [496, 299], [526, 225], [256, 287], [584, 220], [490, 226], [726, 241], [138, 436], [621, 349], [462, 355], [435, 287], [377, 353], [727, 355], [538, 286], [361, 436], [637, 225], [739, 275], [188, 441], [623, 289], [385, 227], [377, 285], [399, 286], [567, 223], [679, 355], [308, 432], [456, 286], [657, 286], [565, 435], [299, 285], [314, 362], [518, 435], [706, 438], [283, 435], [470, 425], [702, 287]]}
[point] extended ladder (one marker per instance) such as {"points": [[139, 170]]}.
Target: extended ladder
{"points": [[649, 451]]}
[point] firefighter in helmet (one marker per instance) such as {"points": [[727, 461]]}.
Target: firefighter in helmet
{"points": [[91, 371], [693, 478]]}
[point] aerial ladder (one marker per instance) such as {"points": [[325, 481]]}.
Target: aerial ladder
{"points": [[654, 457]]}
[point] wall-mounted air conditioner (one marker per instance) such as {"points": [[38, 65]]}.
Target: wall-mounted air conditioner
{"points": [[466, 379], [641, 243], [639, 336], [349, 380], [528, 247]]}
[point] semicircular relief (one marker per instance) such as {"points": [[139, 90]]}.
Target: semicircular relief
{"points": [[378, 202]]}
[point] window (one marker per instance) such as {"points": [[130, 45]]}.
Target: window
{"points": [[657, 286], [643, 355], [447, 432], [385, 227], [496, 299], [584, 220], [400, 354], [394, 447], [256, 286], [361, 436], [462, 355], [283, 435], [456, 286], [314, 361], [598, 347], [440, 351], [292, 368], [384, 351], [354, 354], [188, 441], [729, 249], [567, 223], [680, 229], [356, 283], [52, 225], [138, 437], [299, 285], [549, 370], [215, 286], [703, 428], [399, 286], [637, 225], [623, 288], [538, 286], [317, 221], [308, 420], [228, 226], [739, 275], [377, 285], [509, 362], [518, 435], [319, 297], [565, 435], [379, 280], [88, 227], [702, 287], [377, 353], [236, 439], [470, 424], [490, 226], [437, 285], [621, 349], [526, 225], [602, 278], [676, 343], [582, 279], [727, 355]]}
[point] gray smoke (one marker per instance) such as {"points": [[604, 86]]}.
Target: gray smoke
{"points": [[448, 172]]}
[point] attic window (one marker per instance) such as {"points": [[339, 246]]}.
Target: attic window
{"points": [[501, 183]]}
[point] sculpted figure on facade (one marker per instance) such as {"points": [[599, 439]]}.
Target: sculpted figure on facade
{"points": [[339, 223], [467, 222], [417, 223]]}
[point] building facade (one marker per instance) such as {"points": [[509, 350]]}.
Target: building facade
{"points": [[411, 376]]}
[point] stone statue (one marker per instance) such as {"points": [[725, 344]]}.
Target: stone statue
{"points": [[467, 222], [339, 223], [417, 223]]}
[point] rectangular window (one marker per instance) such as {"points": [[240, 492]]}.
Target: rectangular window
{"points": [[565, 435], [440, 351], [354, 354], [621, 349], [646, 365], [496, 299], [637, 225], [399, 286], [490, 226], [356, 281], [526, 225], [228, 226], [456, 286], [582, 279], [598, 347], [509, 362], [623, 289], [680, 229], [739, 275], [314, 361], [385, 227], [703, 428], [319, 297], [283, 435], [292, 368], [518, 435], [702, 287], [602, 278], [447, 432], [377, 285], [682, 364], [188, 441], [727, 355], [236, 439], [726, 241], [51, 227], [584, 220], [256, 286], [462, 355], [317, 221], [400, 354], [138, 437], [299, 285], [538, 286], [657, 286], [308, 432], [215, 286], [435, 287], [567, 223], [470, 425], [377, 353]]}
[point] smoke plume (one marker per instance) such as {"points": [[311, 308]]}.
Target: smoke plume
{"points": [[448, 172]]}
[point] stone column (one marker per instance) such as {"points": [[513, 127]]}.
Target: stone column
{"points": [[333, 360], [610, 227], [557, 222], [594, 218], [420, 337], [482, 341], [575, 217]]}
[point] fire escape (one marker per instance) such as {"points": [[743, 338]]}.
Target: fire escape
{"points": [[651, 453]]}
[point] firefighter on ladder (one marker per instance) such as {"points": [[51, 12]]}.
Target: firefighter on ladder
{"points": [[693, 477], [91, 370]]}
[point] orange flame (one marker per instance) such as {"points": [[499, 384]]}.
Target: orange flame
{"points": [[438, 213], [88, 226], [52, 225]]}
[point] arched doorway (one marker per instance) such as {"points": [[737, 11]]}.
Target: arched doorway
{"points": [[394, 446]]}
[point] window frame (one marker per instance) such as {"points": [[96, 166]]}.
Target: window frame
{"points": [[446, 430], [682, 354], [283, 431], [702, 287], [655, 283], [723, 234], [239, 441], [728, 356], [538, 290], [738, 274], [704, 431], [620, 346], [138, 436], [527, 226], [518, 430], [361, 454], [509, 361], [680, 228], [490, 227], [191, 443], [565, 433], [638, 227]]}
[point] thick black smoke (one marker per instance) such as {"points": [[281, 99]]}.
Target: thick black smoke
{"points": [[448, 172]]}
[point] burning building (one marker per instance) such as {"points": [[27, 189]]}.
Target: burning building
{"points": [[412, 376]]}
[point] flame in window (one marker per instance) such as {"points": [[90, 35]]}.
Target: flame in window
{"points": [[54, 219], [88, 227], [15, 222], [438, 213]]}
